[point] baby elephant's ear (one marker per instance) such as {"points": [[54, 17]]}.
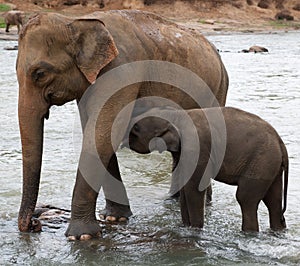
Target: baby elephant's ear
{"points": [[92, 47], [172, 139]]}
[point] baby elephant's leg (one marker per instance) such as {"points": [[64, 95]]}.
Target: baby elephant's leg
{"points": [[192, 206], [249, 193], [273, 201]]}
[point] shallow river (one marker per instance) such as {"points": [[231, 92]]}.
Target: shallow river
{"points": [[266, 84]]}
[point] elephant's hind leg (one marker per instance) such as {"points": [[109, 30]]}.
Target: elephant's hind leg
{"points": [[7, 27], [249, 193], [273, 201], [112, 123], [115, 211]]}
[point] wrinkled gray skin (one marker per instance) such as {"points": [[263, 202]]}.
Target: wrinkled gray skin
{"points": [[60, 57], [254, 161], [13, 17]]}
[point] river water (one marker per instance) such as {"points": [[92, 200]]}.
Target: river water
{"points": [[266, 84]]}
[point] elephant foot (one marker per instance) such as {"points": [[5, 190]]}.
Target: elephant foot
{"points": [[81, 230], [32, 225], [36, 225], [115, 212], [208, 195], [175, 196]]}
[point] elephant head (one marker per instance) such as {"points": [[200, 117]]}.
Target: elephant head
{"points": [[153, 133], [58, 59]]}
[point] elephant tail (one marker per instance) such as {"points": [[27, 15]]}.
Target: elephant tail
{"points": [[285, 168]]}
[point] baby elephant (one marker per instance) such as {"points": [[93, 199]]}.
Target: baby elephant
{"points": [[14, 17], [254, 160]]}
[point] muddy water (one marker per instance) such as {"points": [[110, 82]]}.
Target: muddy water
{"points": [[266, 84]]}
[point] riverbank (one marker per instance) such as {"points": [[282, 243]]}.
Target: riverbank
{"points": [[12, 35], [205, 17]]}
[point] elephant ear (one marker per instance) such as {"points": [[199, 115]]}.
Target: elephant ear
{"points": [[92, 47], [172, 138]]}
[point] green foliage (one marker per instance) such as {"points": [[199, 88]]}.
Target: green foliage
{"points": [[2, 23], [281, 24], [4, 7]]}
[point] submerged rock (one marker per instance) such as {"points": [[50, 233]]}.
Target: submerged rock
{"points": [[11, 47], [51, 215]]}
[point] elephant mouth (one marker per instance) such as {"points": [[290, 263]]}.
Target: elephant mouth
{"points": [[157, 144], [47, 115], [125, 144]]}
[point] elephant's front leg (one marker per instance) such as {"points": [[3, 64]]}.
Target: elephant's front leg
{"points": [[175, 187], [91, 176], [83, 224], [192, 205]]}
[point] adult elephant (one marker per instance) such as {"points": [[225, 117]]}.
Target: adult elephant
{"points": [[60, 57]]}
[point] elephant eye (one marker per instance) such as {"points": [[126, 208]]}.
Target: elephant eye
{"points": [[136, 128], [38, 75], [40, 72]]}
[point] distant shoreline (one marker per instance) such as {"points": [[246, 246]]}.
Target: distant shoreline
{"points": [[227, 18], [13, 36]]}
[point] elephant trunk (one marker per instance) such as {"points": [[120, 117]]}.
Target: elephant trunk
{"points": [[31, 122]]}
